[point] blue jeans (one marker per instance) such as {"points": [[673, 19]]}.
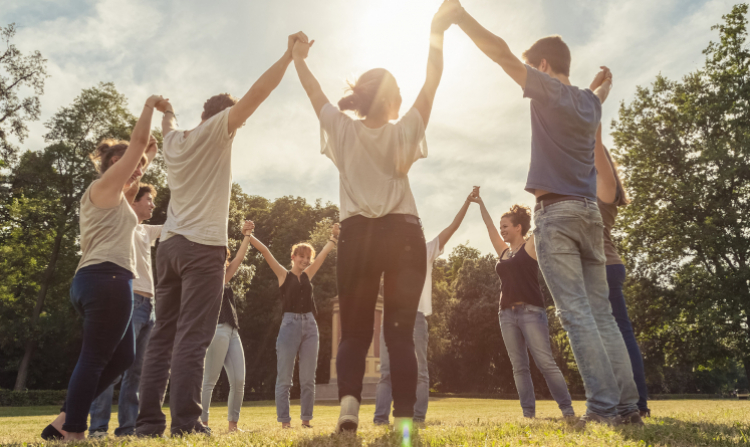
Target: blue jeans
{"points": [[526, 327], [103, 295], [225, 350], [384, 392], [298, 334], [101, 408], [615, 279], [570, 250]]}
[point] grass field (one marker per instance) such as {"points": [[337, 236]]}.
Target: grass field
{"points": [[451, 421]]}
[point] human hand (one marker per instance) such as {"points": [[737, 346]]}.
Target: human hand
{"points": [[301, 49], [603, 76], [248, 227], [474, 196], [163, 105], [335, 230], [448, 13], [153, 100], [293, 38]]}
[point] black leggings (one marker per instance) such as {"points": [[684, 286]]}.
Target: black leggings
{"points": [[103, 295], [393, 245]]}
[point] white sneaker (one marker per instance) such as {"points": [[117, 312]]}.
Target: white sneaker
{"points": [[349, 417]]}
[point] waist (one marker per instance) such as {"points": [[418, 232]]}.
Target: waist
{"points": [[105, 268], [298, 315], [385, 220], [552, 198], [520, 305]]}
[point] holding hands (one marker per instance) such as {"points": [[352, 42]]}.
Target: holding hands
{"points": [[299, 45], [248, 227], [450, 12], [335, 230]]}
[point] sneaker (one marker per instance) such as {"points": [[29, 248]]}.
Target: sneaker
{"points": [[198, 428], [98, 435], [632, 418], [593, 417], [349, 417]]}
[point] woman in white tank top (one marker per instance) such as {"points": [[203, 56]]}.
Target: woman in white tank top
{"points": [[381, 234], [102, 289]]}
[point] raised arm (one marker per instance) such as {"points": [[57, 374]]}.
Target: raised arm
{"points": [[277, 268], [606, 183], [493, 46], [168, 120], [263, 87], [602, 84], [497, 241], [446, 234], [315, 266], [240, 256], [309, 83], [106, 192], [440, 22]]}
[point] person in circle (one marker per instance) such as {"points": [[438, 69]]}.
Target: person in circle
{"points": [[522, 313], [298, 334]]}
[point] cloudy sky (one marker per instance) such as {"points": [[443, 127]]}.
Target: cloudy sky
{"points": [[479, 132]]}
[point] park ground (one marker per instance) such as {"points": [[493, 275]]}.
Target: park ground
{"points": [[451, 422]]}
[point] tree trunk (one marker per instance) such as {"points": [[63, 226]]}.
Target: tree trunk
{"points": [[23, 369], [746, 362]]}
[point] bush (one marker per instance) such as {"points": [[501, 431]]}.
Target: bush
{"points": [[9, 398]]}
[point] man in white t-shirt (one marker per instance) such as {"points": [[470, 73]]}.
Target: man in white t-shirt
{"points": [[143, 322], [192, 254], [384, 398]]}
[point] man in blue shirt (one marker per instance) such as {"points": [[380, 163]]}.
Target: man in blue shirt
{"points": [[569, 228]]}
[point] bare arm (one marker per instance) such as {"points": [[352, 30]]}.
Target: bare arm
{"points": [[446, 234], [168, 120], [238, 258], [606, 184], [277, 268], [106, 192], [309, 83], [497, 241], [530, 247], [494, 47], [315, 266], [602, 84], [262, 88]]}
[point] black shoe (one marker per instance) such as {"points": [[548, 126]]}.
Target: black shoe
{"points": [[632, 418], [198, 428], [592, 417], [645, 413], [51, 433]]}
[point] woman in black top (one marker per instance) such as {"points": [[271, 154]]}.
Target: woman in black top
{"points": [[298, 333], [523, 318], [226, 347]]}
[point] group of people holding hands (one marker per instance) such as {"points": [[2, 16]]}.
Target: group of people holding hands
{"points": [[195, 329]]}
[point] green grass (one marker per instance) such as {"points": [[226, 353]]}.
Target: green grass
{"points": [[451, 421]]}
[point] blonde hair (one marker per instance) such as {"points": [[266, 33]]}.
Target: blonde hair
{"points": [[303, 247], [364, 92], [108, 149]]}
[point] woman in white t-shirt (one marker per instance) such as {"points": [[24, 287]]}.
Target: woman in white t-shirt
{"points": [[381, 233], [102, 289]]}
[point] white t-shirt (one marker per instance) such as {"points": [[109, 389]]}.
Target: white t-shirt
{"points": [[425, 301], [145, 237], [199, 174], [373, 164]]}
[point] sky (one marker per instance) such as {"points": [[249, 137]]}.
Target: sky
{"points": [[479, 132]]}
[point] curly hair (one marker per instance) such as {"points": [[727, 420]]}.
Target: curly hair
{"points": [[216, 104], [520, 215], [143, 189]]}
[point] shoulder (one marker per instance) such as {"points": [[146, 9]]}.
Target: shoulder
{"points": [[411, 118]]}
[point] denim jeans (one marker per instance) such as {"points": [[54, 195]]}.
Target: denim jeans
{"points": [[569, 245], [615, 279], [127, 412], [383, 397], [394, 248], [298, 334], [225, 350], [103, 295], [525, 328]]}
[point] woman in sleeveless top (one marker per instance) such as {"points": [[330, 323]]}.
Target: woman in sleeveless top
{"points": [[381, 233], [609, 196], [298, 334], [523, 318], [226, 347], [102, 291]]}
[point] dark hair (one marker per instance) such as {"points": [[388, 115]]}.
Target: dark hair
{"points": [[365, 90], [520, 215], [216, 104], [102, 155], [553, 50], [143, 189], [621, 196]]}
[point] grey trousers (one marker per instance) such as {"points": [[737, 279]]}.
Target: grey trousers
{"points": [[188, 299]]}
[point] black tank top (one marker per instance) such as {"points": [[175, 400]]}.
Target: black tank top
{"points": [[228, 314], [520, 282], [297, 295]]}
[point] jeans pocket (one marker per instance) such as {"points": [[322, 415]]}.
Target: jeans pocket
{"points": [[559, 233]]}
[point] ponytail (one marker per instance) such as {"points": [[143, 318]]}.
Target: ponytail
{"points": [[103, 154]]}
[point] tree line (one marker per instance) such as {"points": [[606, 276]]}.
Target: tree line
{"points": [[684, 150]]}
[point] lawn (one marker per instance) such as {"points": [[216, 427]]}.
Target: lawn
{"points": [[451, 421]]}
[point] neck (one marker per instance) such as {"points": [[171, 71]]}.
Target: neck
{"points": [[517, 242], [562, 78], [374, 121], [297, 270]]}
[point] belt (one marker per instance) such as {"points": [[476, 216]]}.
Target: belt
{"points": [[358, 219], [552, 198]]}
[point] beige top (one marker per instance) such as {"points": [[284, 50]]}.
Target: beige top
{"points": [[145, 238], [107, 234], [609, 214], [373, 164], [199, 174]]}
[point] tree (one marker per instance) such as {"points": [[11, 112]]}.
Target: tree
{"points": [[685, 149], [18, 74], [56, 178]]}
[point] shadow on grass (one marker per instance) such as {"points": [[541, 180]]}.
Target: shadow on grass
{"points": [[388, 439], [671, 431]]}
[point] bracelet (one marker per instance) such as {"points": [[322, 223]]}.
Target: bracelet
{"points": [[334, 241], [169, 111]]}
